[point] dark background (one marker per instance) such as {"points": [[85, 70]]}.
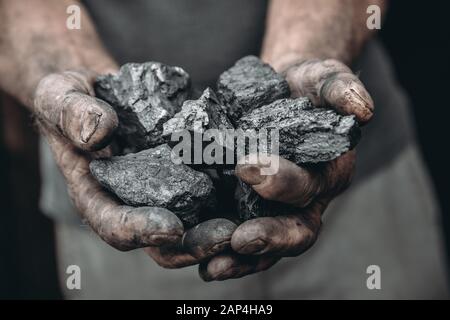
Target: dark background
{"points": [[417, 35]]}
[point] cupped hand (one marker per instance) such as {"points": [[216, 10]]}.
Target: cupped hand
{"points": [[259, 243], [79, 127]]}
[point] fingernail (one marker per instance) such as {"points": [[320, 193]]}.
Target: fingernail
{"points": [[89, 126], [360, 99], [250, 174], [253, 247]]}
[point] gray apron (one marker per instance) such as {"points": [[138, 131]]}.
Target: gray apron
{"points": [[388, 217]]}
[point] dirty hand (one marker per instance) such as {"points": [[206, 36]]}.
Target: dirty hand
{"points": [[78, 128], [261, 242]]}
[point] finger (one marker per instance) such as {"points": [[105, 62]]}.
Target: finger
{"points": [[288, 235], [121, 226], [199, 243], [66, 102], [208, 238], [346, 93], [289, 184], [231, 266], [171, 257], [331, 83], [295, 185]]}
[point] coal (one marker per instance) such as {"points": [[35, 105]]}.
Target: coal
{"points": [[145, 96], [151, 100], [250, 84], [198, 116], [307, 134], [195, 118], [151, 178]]}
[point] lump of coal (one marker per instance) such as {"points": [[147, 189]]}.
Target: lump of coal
{"points": [[195, 117], [198, 116], [249, 84], [151, 178], [307, 134], [145, 96]]}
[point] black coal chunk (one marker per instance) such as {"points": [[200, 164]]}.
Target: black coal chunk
{"points": [[145, 96], [195, 118], [249, 84], [198, 116], [151, 178], [307, 134]]}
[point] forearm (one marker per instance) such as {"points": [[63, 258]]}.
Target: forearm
{"points": [[36, 42], [304, 29]]}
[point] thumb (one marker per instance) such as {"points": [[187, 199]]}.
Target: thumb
{"points": [[288, 184], [66, 102]]}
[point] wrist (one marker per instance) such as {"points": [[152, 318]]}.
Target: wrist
{"points": [[282, 62]]}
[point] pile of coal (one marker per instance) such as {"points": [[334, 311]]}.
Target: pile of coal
{"points": [[151, 100], [145, 96], [151, 178]]}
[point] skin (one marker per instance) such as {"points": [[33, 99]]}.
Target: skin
{"points": [[50, 69], [310, 41]]}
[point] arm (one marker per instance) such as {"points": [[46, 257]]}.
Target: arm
{"points": [[315, 29], [51, 69], [309, 41], [35, 43]]}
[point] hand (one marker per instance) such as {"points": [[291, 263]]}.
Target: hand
{"points": [[78, 128], [261, 242]]}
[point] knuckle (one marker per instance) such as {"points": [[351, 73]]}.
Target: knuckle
{"points": [[50, 79], [43, 87], [310, 191], [334, 65]]}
